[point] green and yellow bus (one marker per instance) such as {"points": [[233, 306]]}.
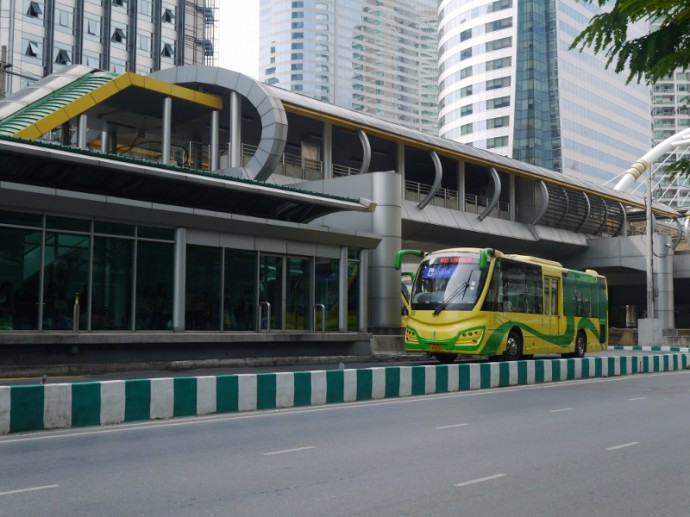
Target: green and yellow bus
{"points": [[481, 302]]}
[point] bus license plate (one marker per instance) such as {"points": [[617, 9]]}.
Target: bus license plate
{"points": [[435, 348]]}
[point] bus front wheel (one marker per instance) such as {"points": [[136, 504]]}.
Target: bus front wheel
{"points": [[513, 349]]}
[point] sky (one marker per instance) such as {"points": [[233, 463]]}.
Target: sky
{"points": [[238, 36]]}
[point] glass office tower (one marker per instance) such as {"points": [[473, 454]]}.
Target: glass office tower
{"points": [[509, 83], [374, 56]]}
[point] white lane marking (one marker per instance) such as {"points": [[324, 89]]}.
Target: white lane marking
{"points": [[286, 451], [638, 398], [480, 480], [561, 410], [450, 426], [630, 444], [32, 489]]}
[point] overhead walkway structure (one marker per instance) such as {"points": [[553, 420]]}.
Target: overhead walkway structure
{"points": [[229, 152]]}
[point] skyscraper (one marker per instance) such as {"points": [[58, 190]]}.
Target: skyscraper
{"points": [[374, 56], [40, 36], [509, 83]]}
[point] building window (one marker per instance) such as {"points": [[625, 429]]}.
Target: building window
{"points": [[501, 82], [466, 129], [62, 57], [497, 122], [33, 49], [466, 110], [144, 42], [65, 18], [93, 27], [145, 7], [465, 35], [168, 50], [499, 141], [119, 36], [168, 16], [34, 10], [120, 3]]}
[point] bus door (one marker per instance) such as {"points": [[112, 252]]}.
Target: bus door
{"points": [[551, 296]]}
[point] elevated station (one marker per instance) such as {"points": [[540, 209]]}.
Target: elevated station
{"points": [[197, 213]]}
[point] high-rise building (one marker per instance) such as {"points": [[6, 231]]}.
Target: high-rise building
{"points": [[40, 36], [374, 56], [508, 82]]}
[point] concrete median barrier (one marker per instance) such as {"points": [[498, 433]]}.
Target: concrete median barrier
{"points": [[60, 406]]}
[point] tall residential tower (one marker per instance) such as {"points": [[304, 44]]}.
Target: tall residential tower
{"points": [[40, 36], [508, 82], [374, 56]]}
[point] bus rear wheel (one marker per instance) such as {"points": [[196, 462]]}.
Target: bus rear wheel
{"points": [[446, 358], [513, 350], [580, 345]]}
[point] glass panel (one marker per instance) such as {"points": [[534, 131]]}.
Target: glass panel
{"points": [[203, 288], [239, 304], [271, 290], [352, 294], [66, 274], [297, 291], [326, 285], [67, 223], [113, 274], [151, 232], [155, 261], [113, 228], [20, 263], [20, 219]]}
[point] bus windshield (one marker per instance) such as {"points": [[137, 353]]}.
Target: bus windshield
{"points": [[452, 282]]}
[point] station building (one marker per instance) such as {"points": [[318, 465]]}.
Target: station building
{"points": [[197, 213]]}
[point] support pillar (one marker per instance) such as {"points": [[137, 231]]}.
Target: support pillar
{"points": [[214, 150], [235, 144], [167, 131]]}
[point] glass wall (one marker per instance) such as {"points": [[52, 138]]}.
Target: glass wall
{"points": [[203, 294], [65, 277], [111, 289], [154, 286], [240, 290], [353, 264], [124, 277], [20, 266], [326, 293], [297, 293], [271, 291]]}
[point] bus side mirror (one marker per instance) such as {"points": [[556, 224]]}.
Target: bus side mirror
{"points": [[485, 257]]}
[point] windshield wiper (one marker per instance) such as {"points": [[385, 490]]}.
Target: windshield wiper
{"points": [[462, 289]]}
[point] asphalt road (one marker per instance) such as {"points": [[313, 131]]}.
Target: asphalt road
{"points": [[605, 447]]}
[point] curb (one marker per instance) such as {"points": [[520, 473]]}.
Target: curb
{"points": [[60, 406]]}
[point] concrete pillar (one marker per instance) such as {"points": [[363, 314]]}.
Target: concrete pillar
{"points": [[235, 144], [327, 150], [180, 279], [342, 290], [82, 129], [663, 281], [213, 152], [167, 130], [461, 186], [384, 279], [400, 167], [512, 198]]}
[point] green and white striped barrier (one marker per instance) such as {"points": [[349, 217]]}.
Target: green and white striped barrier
{"points": [[59, 406]]}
